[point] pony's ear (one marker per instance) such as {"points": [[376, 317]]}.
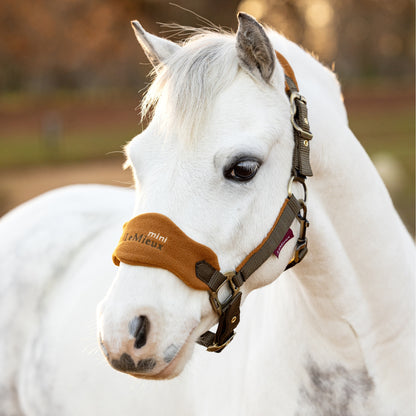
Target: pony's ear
{"points": [[157, 49], [254, 49]]}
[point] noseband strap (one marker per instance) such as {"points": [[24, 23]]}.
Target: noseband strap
{"points": [[228, 309], [154, 240]]}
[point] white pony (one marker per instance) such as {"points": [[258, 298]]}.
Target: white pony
{"points": [[332, 336]]}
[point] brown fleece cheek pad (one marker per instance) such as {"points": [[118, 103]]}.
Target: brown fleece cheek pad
{"points": [[154, 240]]}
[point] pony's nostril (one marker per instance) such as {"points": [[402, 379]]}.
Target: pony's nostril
{"points": [[139, 328]]}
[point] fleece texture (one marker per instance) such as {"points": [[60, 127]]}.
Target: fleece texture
{"points": [[156, 241]]}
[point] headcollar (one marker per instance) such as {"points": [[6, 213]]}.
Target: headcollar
{"points": [[156, 241]]}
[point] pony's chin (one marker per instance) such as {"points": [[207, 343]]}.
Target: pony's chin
{"points": [[176, 366]]}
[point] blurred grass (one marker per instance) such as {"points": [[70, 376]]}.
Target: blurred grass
{"points": [[388, 133], [91, 128], [391, 131], [31, 150], [64, 127]]}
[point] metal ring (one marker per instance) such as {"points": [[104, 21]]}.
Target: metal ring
{"points": [[299, 180]]}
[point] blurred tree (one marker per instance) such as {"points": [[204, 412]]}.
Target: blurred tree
{"points": [[66, 43], [370, 38], [376, 38], [89, 44]]}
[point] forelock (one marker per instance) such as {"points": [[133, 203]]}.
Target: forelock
{"points": [[186, 86]]}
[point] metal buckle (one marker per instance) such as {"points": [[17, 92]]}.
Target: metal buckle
{"points": [[217, 348], [293, 110], [301, 247], [301, 250], [213, 296], [301, 181]]}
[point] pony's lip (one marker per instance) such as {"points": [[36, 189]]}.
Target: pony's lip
{"points": [[175, 367]]}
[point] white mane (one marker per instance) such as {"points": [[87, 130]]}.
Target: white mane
{"points": [[190, 81]]}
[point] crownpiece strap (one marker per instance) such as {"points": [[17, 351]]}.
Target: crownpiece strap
{"points": [[291, 82]]}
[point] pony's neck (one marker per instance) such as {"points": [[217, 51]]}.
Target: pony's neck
{"points": [[360, 265]]}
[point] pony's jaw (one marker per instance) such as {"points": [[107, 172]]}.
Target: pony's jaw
{"points": [[173, 314]]}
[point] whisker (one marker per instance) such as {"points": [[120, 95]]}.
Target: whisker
{"points": [[199, 17]]}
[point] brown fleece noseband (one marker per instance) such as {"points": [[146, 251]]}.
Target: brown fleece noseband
{"points": [[156, 241]]}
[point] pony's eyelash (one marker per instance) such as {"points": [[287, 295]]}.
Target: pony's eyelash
{"points": [[243, 169]]}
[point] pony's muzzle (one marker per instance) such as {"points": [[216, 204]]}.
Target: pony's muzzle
{"points": [[127, 356]]}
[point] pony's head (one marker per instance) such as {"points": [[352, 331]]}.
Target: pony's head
{"points": [[215, 160]]}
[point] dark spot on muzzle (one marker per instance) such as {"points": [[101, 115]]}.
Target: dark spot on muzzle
{"points": [[147, 364], [126, 364]]}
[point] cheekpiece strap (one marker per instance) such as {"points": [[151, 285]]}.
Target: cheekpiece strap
{"points": [[299, 116], [225, 295]]}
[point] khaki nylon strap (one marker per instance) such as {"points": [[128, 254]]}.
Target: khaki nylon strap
{"points": [[301, 161], [257, 257], [209, 275], [301, 164]]}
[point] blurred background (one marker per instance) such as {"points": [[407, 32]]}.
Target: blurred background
{"points": [[72, 73]]}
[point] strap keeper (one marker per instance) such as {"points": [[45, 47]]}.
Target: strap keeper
{"points": [[296, 101], [237, 279]]}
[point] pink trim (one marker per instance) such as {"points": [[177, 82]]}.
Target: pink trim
{"points": [[288, 236]]}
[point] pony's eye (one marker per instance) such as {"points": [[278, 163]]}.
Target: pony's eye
{"points": [[243, 170]]}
